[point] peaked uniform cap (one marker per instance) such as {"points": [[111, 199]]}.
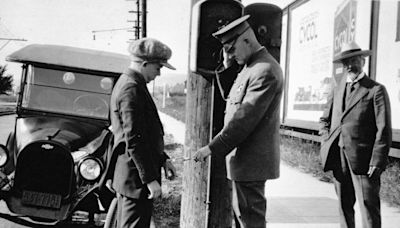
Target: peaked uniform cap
{"points": [[150, 50], [232, 30], [349, 50]]}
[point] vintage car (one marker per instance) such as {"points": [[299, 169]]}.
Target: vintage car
{"points": [[56, 155]]}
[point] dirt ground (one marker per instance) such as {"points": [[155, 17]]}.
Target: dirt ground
{"points": [[167, 208]]}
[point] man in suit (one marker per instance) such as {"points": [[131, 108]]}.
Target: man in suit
{"points": [[250, 136], [138, 134], [357, 134]]}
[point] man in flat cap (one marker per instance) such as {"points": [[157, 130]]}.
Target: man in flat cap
{"points": [[250, 136], [356, 137], [138, 135]]}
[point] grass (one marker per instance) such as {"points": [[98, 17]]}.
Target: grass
{"points": [[303, 155], [174, 106], [7, 99], [7, 108]]}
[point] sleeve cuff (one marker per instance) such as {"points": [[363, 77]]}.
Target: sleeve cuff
{"points": [[164, 157], [217, 145]]}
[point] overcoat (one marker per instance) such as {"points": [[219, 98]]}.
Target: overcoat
{"points": [[138, 135], [361, 124], [251, 126]]}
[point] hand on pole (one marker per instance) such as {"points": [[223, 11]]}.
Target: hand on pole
{"points": [[202, 154]]}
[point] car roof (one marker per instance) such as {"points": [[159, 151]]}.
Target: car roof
{"points": [[73, 57]]}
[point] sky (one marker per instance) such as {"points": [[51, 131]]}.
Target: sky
{"points": [[71, 22]]}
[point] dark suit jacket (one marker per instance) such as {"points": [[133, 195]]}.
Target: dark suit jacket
{"points": [[363, 126], [251, 126], [138, 135]]}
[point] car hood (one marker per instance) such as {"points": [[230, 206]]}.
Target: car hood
{"points": [[71, 133]]}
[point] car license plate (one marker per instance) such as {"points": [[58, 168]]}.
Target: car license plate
{"points": [[41, 199]]}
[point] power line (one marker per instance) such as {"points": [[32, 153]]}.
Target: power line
{"points": [[108, 30], [8, 32], [13, 39]]}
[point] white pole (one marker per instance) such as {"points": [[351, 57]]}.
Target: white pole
{"points": [[164, 95]]}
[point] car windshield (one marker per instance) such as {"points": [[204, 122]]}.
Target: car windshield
{"points": [[66, 92]]}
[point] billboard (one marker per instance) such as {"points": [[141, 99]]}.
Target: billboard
{"points": [[344, 32], [388, 55], [317, 31]]}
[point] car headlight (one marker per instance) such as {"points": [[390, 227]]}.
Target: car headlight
{"points": [[3, 155], [90, 169]]}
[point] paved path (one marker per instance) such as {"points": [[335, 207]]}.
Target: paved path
{"points": [[296, 199]]}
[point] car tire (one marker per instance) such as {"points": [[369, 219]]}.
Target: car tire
{"points": [[111, 217]]}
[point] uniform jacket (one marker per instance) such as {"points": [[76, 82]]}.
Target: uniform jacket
{"points": [[138, 135], [251, 125], [363, 126]]}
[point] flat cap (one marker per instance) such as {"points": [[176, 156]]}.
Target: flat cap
{"points": [[232, 30], [349, 50], [150, 50]]}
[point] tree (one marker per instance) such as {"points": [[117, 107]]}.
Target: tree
{"points": [[6, 80]]}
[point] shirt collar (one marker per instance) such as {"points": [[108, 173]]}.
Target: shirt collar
{"points": [[255, 55], [358, 78], [135, 75]]}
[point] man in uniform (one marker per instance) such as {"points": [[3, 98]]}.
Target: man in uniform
{"points": [[357, 134], [251, 127], [138, 134]]}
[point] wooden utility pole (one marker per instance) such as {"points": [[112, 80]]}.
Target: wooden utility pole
{"points": [[144, 18], [206, 198], [140, 24], [138, 19], [195, 174]]}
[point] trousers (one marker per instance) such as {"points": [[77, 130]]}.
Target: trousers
{"points": [[349, 187], [249, 204], [134, 213]]}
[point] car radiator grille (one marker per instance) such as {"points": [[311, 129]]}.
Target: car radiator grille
{"points": [[44, 167]]}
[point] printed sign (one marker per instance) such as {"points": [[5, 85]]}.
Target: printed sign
{"points": [[344, 31], [310, 59]]}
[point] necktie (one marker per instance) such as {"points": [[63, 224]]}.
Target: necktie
{"points": [[349, 89]]}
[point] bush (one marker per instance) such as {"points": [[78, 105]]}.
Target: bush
{"points": [[390, 183], [6, 80]]}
